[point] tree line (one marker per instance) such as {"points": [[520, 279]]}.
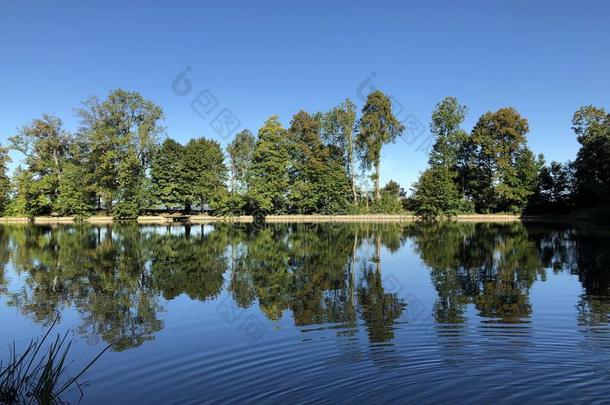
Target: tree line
{"points": [[492, 170], [323, 163]]}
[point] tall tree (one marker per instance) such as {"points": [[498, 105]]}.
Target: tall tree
{"points": [[502, 170], [318, 183], [338, 130], [5, 182], [121, 133], [241, 151], [450, 148], [377, 127], [166, 173], [269, 171], [204, 174], [45, 145], [592, 128], [445, 125]]}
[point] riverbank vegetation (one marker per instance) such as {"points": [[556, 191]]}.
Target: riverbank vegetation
{"points": [[38, 374], [121, 162]]}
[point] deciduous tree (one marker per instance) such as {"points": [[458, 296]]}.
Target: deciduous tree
{"points": [[269, 179]]}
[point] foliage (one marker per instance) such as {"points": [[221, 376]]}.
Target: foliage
{"points": [[445, 125], [241, 151], [318, 183], [73, 198], [338, 126], [502, 170], [377, 126], [166, 173], [115, 162], [121, 136], [204, 174], [592, 128], [269, 171], [46, 147], [554, 188], [35, 376], [5, 181], [435, 194]]}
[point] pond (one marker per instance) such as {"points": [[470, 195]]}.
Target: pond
{"points": [[475, 312]]}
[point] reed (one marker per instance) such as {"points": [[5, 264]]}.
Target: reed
{"points": [[39, 375]]}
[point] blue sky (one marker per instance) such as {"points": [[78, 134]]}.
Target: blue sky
{"points": [[256, 59]]}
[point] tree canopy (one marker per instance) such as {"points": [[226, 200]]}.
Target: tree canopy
{"points": [[121, 161]]}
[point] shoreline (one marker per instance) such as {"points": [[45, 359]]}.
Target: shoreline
{"points": [[203, 219]]}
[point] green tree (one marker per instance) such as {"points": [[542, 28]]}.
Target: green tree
{"points": [[446, 123], [592, 128], [451, 146], [338, 130], [121, 134], [241, 152], [23, 201], [204, 174], [73, 198], [391, 201], [318, 183], [502, 170], [166, 172], [394, 189], [45, 145], [5, 181], [554, 190], [377, 127], [132, 192], [435, 194], [269, 171]]}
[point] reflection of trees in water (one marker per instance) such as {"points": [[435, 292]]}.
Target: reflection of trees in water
{"points": [[379, 309], [188, 264], [492, 266], [114, 275], [324, 274], [309, 270], [4, 258], [99, 271], [582, 251]]}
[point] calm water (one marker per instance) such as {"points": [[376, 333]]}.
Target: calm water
{"points": [[318, 313]]}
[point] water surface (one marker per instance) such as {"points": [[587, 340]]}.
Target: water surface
{"points": [[473, 312]]}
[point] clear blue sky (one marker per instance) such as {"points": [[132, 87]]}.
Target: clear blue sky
{"points": [[545, 58]]}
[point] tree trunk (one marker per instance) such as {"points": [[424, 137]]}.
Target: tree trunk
{"points": [[377, 169], [352, 172], [354, 187]]}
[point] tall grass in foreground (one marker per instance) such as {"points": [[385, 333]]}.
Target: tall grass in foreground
{"points": [[38, 375]]}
